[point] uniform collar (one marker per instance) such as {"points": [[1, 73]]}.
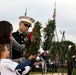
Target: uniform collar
{"points": [[20, 33]]}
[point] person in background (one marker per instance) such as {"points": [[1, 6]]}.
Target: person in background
{"points": [[51, 64], [24, 24], [8, 67], [42, 60], [6, 30]]}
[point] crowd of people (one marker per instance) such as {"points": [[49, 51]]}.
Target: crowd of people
{"points": [[12, 48]]}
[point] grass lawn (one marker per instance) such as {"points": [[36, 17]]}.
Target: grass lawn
{"points": [[40, 73], [59, 71]]}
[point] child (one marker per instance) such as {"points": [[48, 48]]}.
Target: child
{"points": [[8, 67]]}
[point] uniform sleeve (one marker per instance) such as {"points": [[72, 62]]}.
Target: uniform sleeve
{"points": [[24, 64], [17, 46]]}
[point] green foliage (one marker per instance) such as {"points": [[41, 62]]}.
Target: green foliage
{"points": [[66, 51], [66, 54], [48, 34], [33, 47], [48, 43], [74, 71]]}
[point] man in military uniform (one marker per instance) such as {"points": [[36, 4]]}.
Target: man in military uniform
{"points": [[25, 23]]}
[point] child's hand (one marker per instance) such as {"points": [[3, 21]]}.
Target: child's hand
{"points": [[31, 57]]}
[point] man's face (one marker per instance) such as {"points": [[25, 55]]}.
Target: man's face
{"points": [[22, 27]]}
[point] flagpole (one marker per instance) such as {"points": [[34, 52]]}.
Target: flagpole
{"points": [[54, 13], [25, 12], [54, 18]]}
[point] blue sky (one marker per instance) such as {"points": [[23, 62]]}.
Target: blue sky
{"points": [[42, 10]]}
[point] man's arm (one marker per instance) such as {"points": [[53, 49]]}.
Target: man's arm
{"points": [[17, 46]]}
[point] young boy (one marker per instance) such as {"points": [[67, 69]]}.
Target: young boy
{"points": [[8, 67]]}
